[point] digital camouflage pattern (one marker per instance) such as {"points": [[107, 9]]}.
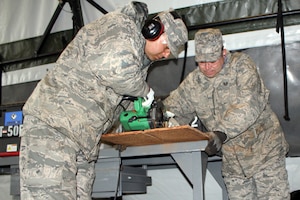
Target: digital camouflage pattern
{"points": [[105, 61], [177, 34], [270, 182], [77, 101], [235, 102], [47, 166], [209, 45]]}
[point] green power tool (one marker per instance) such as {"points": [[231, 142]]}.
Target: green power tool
{"points": [[142, 118]]}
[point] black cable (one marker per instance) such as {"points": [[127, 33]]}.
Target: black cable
{"points": [[285, 85], [114, 112], [185, 54], [184, 62]]}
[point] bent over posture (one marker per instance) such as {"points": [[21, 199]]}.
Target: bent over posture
{"points": [[77, 101], [227, 93]]}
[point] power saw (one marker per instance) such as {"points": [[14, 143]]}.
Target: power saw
{"points": [[143, 118]]}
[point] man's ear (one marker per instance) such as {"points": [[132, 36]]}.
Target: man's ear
{"points": [[224, 52]]}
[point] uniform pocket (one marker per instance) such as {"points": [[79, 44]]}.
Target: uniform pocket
{"points": [[247, 139]]}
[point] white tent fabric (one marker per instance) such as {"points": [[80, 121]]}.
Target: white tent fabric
{"points": [[27, 19], [19, 18], [232, 42], [23, 23], [31, 17]]}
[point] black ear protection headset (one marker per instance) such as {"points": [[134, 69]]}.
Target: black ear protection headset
{"points": [[154, 28]]}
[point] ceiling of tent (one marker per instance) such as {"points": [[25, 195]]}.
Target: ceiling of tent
{"points": [[50, 24]]}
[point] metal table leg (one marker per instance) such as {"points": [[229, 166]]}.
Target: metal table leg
{"points": [[193, 165]]}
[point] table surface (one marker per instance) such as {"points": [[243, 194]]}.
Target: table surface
{"points": [[175, 134]]}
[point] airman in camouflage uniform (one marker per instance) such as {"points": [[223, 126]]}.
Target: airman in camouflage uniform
{"points": [[77, 101], [229, 97]]}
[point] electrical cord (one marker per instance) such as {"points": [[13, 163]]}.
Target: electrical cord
{"points": [[119, 146], [114, 114]]}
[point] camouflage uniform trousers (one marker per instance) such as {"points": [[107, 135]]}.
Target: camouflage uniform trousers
{"points": [[51, 165], [270, 183]]}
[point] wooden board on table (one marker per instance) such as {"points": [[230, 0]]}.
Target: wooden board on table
{"points": [[155, 136]]}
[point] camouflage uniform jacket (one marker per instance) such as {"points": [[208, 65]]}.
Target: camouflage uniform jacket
{"points": [[105, 60], [236, 103]]}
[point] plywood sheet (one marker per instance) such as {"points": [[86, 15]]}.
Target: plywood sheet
{"points": [[155, 136]]}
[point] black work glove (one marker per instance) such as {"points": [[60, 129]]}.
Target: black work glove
{"points": [[215, 142]]}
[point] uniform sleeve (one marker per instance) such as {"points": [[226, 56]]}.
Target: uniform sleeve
{"points": [[250, 100], [179, 102], [121, 69], [114, 53]]}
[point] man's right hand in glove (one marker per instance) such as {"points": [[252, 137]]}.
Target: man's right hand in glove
{"points": [[215, 142], [148, 99]]}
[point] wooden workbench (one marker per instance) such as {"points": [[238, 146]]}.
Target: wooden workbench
{"points": [[175, 134]]}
